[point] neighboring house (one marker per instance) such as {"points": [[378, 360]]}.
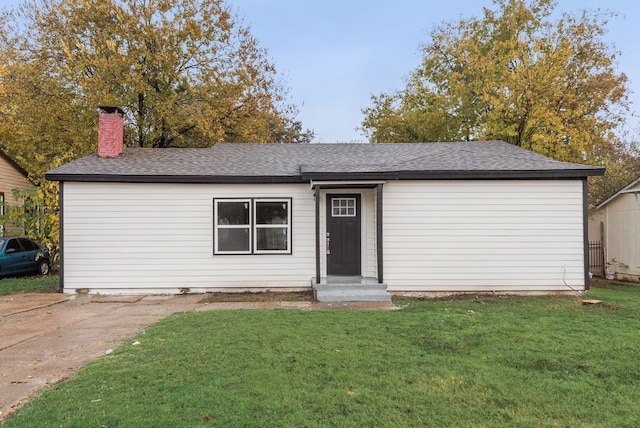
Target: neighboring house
{"points": [[12, 176], [616, 224], [410, 218]]}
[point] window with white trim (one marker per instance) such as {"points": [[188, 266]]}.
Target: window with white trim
{"points": [[252, 226], [232, 226], [343, 207]]}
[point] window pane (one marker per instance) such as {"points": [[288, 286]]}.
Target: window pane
{"points": [[233, 212], [13, 245], [272, 212], [343, 207], [272, 238], [27, 245], [233, 239]]}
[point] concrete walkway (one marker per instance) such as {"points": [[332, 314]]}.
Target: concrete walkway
{"points": [[45, 338]]}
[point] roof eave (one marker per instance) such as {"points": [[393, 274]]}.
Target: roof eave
{"points": [[457, 175], [306, 177], [187, 179], [551, 174], [617, 194]]}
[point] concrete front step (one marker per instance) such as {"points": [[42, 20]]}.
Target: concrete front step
{"points": [[350, 289], [328, 297]]}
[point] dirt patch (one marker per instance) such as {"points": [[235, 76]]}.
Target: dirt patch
{"points": [[262, 296]]}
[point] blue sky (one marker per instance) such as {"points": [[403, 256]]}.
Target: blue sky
{"points": [[335, 54]]}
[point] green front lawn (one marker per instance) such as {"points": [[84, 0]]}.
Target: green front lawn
{"points": [[488, 361], [29, 284]]}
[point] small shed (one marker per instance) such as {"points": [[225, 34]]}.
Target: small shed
{"points": [[614, 227], [423, 218]]}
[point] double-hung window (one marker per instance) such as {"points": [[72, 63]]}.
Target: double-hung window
{"points": [[272, 222], [233, 226], [252, 226]]}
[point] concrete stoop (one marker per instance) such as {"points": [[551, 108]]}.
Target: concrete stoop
{"points": [[350, 289]]}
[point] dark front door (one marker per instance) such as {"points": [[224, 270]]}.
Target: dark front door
{"points": [[343, 235]]}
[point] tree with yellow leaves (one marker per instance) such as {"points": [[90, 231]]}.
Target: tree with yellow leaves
{"points": [[185, 72], [516, 74], [3, 111]]}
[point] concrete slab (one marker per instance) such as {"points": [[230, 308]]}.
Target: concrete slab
{"points": [[15, 303]]}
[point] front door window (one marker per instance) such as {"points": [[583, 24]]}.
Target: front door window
{"points": [[343, 207]]}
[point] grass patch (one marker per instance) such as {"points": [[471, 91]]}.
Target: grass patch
{"points": [[491, 361], [29, 284]]}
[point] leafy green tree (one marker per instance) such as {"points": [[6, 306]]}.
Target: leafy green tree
{"points": [[186, 73], [292, 133], [515, 74]]}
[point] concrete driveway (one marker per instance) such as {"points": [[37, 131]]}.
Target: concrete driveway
{"points": [[45, 338]]}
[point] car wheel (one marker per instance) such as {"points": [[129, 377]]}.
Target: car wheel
{"points": [[43, 268]]}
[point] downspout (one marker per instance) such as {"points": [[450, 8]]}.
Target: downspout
{"points": [[379, 252], [317, 199], [585, 232], [61, 236]]}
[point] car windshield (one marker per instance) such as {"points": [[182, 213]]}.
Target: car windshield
{"points": [[2, 241]]}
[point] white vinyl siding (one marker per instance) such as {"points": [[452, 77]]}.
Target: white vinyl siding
{"points": [[141, 238], [511, 235], [480, 236]]}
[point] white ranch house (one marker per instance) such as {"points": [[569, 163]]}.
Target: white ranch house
{"points": [[355, 221]]}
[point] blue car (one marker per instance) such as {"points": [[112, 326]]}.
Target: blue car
{"points": [[22, 255]]}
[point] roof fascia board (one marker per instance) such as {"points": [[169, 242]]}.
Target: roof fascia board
{"points": [[494, 175], [349, 176], [618, 193], [187, 179], [350, 184], [368, 177]]}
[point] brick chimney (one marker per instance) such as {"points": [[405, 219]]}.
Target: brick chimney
{"points": [[110, 131]]}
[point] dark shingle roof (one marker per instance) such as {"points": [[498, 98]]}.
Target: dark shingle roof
{"points": [[227, 162]]}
